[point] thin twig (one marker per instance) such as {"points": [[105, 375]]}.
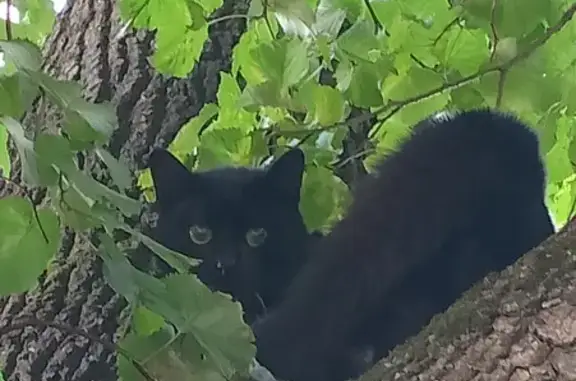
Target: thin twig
{"points": [[447, 28], [8, 20], [501, 83], [495, 39], [377, 24], [227, 17], [353, 157], [265, 15]]}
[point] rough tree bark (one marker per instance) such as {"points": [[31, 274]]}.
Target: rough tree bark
{"points": [[518, 325], [85, 47]]}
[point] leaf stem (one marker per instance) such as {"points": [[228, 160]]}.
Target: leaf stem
{"points": [[227, 17], [8, 21]]}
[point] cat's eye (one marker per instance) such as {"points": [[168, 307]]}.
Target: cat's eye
{"points": [[200, 235], [256, 237]]}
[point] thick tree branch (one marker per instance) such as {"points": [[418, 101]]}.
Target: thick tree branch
{"points": [[509, 326]]}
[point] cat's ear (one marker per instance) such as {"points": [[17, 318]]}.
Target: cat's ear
{"points": [[172, 180], [285, 174]]}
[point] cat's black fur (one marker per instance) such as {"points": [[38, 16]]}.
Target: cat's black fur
{"points": [[231, 201], [463, 196]]}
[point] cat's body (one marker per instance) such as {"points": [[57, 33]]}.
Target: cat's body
{"points": [[463, 196], [244, 224]]}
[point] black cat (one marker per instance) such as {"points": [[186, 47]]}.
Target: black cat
{"points": [[243, 223], [463, 196]]}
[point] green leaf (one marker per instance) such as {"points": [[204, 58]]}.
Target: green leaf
{"points": [[188, 136], [55, 149], [155, 354], [213, 344], [10, 102], [295, 62], [211, 5], [75, 208], [101, 117], [177, 261], [558, 162], [146, 322], [60, 92], [230, 114], [317, 205], [263, 94], [324, 103], [5, 165], [82, 136], [282, 61], [17, 93], [27, 243], [415, 112], [517, 18], [40, 17], [197, 15], [257, 33], [118, 170], [364, 90], [25, 149], [464, 50], [467, 97], [295, 16], [85, 121], [415, 82], [343, 75], [153, 14], [359, 41], [352, 8], [329, 19], [126, 205], [96, 191], [116, 269], [562, 201], [24, 54], [224, 146], [177, 50], [146, 185]]}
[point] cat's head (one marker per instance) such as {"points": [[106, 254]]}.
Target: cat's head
{"points": [[243, 223]]}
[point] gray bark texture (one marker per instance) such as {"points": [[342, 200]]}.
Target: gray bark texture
{"points": [[518, 325]]}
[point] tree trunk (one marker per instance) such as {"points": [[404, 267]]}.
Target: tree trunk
{"points": [[85, 46], [514, 326]]}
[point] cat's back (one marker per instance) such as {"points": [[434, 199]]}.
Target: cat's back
{"points": [[473, 148]]}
